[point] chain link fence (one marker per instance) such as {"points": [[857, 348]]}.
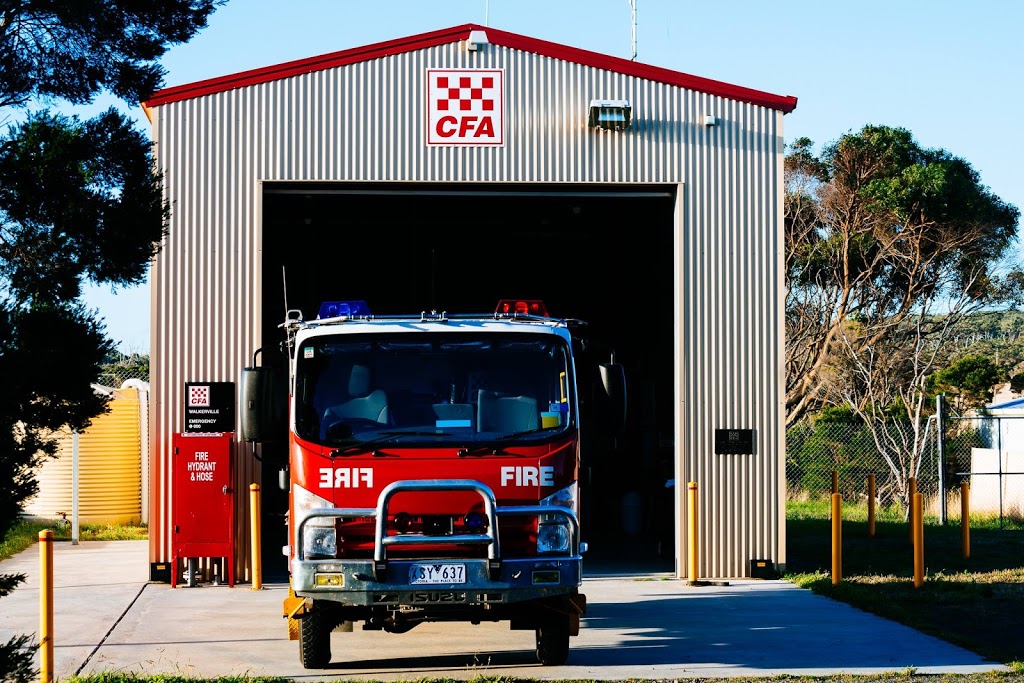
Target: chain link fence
{"points": [[123, 367], [986, 453], [817, 452]]}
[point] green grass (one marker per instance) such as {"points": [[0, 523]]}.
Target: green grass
{"points": [[25, 532], [975, 602]]}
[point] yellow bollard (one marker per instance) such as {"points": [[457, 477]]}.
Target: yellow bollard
{"points": [[965, 519], [46, 606], [871, 506], [918, 508], [912, 485], [837, 538], [691, 536], [254, 523]]}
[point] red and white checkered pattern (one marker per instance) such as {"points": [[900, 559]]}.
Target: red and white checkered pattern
{"points": [[466, 93], [199, 396], [465, 106]]}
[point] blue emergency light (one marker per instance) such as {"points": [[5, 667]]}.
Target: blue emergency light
{"points": [[343, 309]]}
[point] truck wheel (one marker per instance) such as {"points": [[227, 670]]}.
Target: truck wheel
{"points": [[553, 640], [314, 639]]}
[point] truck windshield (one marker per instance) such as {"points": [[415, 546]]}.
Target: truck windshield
{"points": [[441, 388]]}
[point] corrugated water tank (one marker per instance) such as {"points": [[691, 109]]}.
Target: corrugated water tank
{"points": [[109, 468]]}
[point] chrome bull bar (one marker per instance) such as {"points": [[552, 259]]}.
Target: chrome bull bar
{"points": [[491, 510]]}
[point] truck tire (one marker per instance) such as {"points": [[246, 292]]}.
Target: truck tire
{"points": [[314, 639], [553, 640]]}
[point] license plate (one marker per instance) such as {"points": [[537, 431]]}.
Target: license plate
{"points": [[437, 573]]}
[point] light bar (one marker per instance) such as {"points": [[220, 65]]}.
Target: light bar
{"points": [[343, 309], [522, 307]]}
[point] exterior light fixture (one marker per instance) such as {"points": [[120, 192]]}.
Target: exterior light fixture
{"points": [[475, 40], [610, 114]]}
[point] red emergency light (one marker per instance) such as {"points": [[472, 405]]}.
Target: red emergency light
{"points": [[522, 307]]}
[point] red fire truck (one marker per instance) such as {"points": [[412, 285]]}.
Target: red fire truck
{"points": [[434, 465]]}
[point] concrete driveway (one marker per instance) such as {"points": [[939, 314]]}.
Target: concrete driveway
{"points": [[108, 617]]}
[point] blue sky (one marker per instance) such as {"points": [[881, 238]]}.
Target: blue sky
{"points": [[950, 72]]}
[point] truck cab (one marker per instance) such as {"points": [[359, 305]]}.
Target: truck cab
{"points": [[433, 468]]}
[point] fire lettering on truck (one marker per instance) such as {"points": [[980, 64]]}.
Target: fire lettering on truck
{"points": [[465, 107], [528, 476], [346, 478]]}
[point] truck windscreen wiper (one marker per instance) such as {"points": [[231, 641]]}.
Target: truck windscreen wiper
{"points": [[491, 447], [384, 437]]}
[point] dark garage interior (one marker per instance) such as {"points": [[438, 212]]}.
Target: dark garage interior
{"points": [[602, 254]]}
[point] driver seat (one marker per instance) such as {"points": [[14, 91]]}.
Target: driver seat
{"points": [[366, 404]]}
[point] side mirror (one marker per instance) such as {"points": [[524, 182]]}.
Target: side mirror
{"points": [[252, 403], [612, 396], [263, 403]]}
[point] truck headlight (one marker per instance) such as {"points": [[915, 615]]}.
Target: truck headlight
{"points": [[553, 535], [319, 542], [319, 538]]}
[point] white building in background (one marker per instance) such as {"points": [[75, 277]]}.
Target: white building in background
{"points": [[997, 472]]}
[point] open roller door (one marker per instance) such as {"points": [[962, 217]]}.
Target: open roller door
{"points": [[602, 254]]}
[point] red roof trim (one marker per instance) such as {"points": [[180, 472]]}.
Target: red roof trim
{"points": [[784, 103]]}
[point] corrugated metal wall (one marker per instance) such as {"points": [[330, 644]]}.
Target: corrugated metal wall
{"points": [[109, 469], [365, 122]]}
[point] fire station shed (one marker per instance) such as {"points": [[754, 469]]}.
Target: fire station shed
{"points": [[450, 169]]}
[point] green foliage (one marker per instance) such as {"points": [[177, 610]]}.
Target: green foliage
{"points": [[118, 366], [969, 379], [833, 441], [880, 231], [79, 200], [961, 437], [16, 655], [17, 660], [73, 50]]}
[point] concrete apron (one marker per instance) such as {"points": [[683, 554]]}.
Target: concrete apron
{"points": [[108, 617]]}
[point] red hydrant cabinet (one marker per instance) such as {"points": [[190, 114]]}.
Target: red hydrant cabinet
{"points": [[203, 501]]}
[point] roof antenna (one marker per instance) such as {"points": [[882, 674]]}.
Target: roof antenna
{"points": [[433, 279], [284, 287], [632, 19], [487, 7]]}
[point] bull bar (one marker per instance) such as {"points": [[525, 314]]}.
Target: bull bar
{"points": [[381, 581]]}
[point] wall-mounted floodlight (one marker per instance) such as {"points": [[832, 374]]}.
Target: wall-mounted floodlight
{"points": [[610, 114], [710, 120], [475, 40]]}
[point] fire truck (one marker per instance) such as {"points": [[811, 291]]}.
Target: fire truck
{"points": [[434, 466]]}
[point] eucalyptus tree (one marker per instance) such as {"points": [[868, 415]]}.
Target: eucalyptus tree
{"points": [[888, 245]]}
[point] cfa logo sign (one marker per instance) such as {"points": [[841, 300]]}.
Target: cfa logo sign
{"points": [[466, 107], [199, 396]]}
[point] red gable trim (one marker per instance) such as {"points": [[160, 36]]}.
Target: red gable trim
{"points": [[784, 103]]}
